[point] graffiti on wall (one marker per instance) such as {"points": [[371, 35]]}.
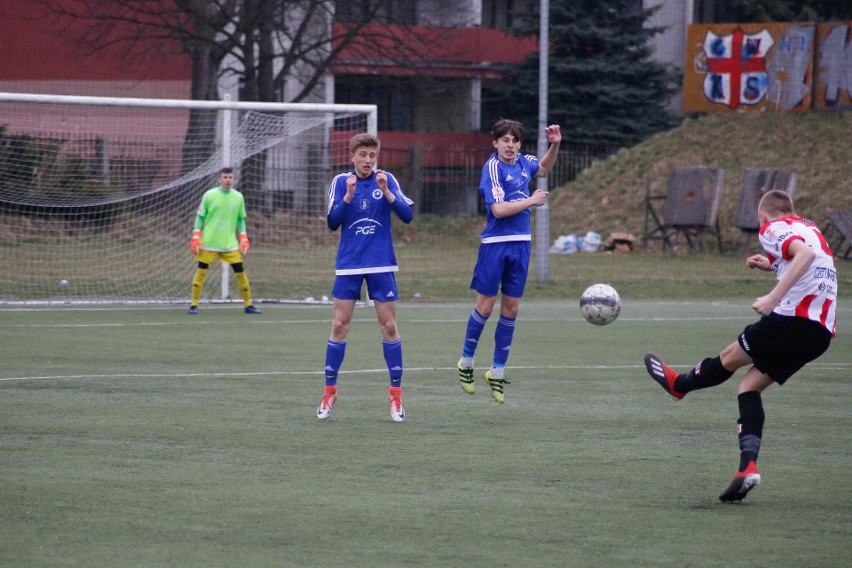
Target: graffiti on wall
{"points": [[748, 67], [791, 69], [833, 85], [735, 67]]}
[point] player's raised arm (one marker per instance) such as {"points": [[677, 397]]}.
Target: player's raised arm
{"points": [[554, 138]]}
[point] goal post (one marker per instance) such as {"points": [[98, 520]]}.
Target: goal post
{"points": [[98, 194]]}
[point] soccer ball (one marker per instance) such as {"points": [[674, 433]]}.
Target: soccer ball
{"points": [[600, 304]]}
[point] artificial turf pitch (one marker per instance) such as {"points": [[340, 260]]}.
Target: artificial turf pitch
{"points": [[141, 436]]}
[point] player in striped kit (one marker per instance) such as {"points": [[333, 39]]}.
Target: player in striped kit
{"points": [[360, 203], [504, 253], [797, 325]]}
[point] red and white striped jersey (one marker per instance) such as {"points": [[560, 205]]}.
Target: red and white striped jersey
{"points": [[814, 296]]}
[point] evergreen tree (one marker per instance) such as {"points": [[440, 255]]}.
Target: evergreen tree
{"points": [[604, 88]]}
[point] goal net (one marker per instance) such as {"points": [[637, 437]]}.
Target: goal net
{"points": [[98, 195]]}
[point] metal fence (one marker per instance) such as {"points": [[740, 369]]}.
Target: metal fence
{"points": [[446, 183]]}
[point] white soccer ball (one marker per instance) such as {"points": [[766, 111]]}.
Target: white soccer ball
{"points": [[63, 283], [600, 304]]}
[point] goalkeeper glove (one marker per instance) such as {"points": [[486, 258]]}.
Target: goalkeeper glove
{"points": [[244, 243], [195, 243]]}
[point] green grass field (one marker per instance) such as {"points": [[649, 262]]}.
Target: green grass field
{"points": [[140, 436]]}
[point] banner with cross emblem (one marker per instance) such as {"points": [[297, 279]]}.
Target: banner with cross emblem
{"points": [[749, 67]]}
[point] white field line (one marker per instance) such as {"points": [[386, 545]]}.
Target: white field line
{"points": [[816, 365], [268, 321]]}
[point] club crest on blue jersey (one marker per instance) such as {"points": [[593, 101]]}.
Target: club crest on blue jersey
{"points": [[363, 204]]}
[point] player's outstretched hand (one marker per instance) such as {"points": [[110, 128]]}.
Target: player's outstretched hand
{"points": [[195, 243]]}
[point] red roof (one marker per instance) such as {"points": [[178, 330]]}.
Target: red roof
{"points": [[37, 48], [430, 51]]}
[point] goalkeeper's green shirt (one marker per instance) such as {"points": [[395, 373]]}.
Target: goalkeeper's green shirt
{"points": [[221, 214]]}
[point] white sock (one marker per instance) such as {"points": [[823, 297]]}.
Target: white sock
{"points": [[466, 362], [497, 372]]}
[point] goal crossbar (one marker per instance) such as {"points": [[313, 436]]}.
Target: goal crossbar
{"points": [[370, 110]]}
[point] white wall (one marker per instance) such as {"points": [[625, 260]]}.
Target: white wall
{"points": [[670, 45]]}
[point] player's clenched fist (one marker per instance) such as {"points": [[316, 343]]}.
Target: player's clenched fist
{"points": [[382, 180], [758, 261], [350, 188]]}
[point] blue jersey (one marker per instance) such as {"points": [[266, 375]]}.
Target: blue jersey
{"points": [[502, 182], [366, 243]]}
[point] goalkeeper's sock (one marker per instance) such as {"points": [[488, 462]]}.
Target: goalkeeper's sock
{"points": [[708, 373], [503, 340], [334, 353], [243, 285], [198, 285], [393, 357], [475, 325]]}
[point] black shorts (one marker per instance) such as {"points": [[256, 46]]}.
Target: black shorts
{"points": [[781, 345]]}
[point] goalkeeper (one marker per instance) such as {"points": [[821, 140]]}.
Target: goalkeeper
{"points": [[221, 215]]}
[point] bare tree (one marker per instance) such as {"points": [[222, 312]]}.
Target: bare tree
{"points": [[264, 43]]}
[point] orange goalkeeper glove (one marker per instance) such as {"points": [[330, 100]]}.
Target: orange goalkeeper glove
{"points": [[244, 243], [195, 243]]}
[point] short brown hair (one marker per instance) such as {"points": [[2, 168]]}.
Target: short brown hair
{"points": [[226, 170], [505, 126], [776, 203], [363, 139]]}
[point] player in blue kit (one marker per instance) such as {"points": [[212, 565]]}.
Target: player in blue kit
{"points": [[360, 202], [504, 252]]}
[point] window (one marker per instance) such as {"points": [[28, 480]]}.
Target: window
{"points": [[394, 98], [495, 105], [378, 11], [497, 14]]}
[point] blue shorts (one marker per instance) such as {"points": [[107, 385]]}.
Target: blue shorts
{"points": [[502, 266], [381, 287]]}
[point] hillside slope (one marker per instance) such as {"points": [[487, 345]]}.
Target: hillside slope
{"points": [[817, 146]]}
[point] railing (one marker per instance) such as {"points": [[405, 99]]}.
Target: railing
{"points": [[445, 181]]}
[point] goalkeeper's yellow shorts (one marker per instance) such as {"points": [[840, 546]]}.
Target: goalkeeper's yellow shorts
{"points": [[229, 257]]}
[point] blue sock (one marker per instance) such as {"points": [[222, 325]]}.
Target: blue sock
{"points": [[393, 357], [503, 340], [475, 325], [334, 353]]}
